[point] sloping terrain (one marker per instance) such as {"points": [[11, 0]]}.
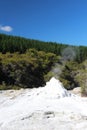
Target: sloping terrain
{"points": [[45, 108]]}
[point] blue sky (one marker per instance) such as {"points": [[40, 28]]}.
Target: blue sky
{"points": [[63, 21]]}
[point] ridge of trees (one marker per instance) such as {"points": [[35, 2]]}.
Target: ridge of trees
{"points": [[13, 44]]}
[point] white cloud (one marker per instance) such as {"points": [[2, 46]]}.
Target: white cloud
{"points": [[6, 28]]}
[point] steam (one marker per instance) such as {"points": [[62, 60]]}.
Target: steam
{"points": [[68, 54], [57, 70]]}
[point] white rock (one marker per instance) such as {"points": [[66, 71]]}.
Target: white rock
{"points": [[46, 108]]}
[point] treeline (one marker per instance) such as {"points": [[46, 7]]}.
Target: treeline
{"points": [[18, 44], [13, 44]]}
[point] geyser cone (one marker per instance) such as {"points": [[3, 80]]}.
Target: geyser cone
{"points": [[54, 89]]}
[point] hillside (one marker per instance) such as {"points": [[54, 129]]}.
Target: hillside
{"points": [[13, 44], [29, 63]]}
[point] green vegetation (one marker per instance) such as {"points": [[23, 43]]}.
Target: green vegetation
{"points": [[17, 44], [29, 63], [68, 75], [81, 77], [75, 75], [25, 70]]}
